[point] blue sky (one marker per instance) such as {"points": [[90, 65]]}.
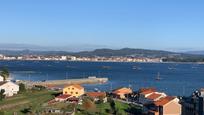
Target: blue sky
{"points": [[149, 24]]}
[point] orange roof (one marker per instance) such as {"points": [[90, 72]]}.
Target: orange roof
{"points": [[146, 91], [153, 96], [76, 86], [96, 94], [164, 101], [123, 90]]}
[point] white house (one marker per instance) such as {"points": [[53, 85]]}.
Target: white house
{"points": [[10, 88], [1, 78]]}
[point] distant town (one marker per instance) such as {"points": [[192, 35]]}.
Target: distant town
{"points": [[80, 58]]}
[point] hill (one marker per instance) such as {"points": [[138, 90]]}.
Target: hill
{"points": [[125, 52], [195, 52]]}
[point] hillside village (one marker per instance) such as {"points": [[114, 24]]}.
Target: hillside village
{"points": [[73, 99]]}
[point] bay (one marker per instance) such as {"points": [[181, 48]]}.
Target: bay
{"points": [[176, 78]]}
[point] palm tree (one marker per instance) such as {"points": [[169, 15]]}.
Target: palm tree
{"points": [[5, 73]]}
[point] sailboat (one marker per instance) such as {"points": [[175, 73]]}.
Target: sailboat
{"points": [[158, 78]]}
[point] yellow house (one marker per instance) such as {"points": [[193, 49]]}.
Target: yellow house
{"points": [[74, 90]]}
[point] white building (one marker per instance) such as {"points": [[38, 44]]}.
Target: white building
{"points": [[150, 95], [63, 58], [1, 78], [10, 88]]}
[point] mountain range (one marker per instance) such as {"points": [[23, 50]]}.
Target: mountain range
{"points": [[195, 52], [105, 52]]}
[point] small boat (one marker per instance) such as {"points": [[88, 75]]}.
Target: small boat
{"points": [[106, 67], [158, 78], [171, 68], [96, 90], [194, 67], [136, 68]]}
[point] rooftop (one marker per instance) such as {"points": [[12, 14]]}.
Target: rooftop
{"points": [[2, 83], [164, 101], [95, 94], [154, 96], [63, 96], [146, 91], [76, 86], [123, 90]]}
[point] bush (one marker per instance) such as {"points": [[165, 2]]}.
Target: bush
{"points": [[89, 105], [2, 96], [22, 88]]}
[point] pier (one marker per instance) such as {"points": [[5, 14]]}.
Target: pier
{"points": [[89, 80]]}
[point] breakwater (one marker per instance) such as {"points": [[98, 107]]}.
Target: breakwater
{"points": [[66, 82]]}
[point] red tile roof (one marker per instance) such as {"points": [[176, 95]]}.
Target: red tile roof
{"points": [[96, 94], [63, 96], [164, 101], [73, 99], [154, 96], [123, 91], [146, 91]]}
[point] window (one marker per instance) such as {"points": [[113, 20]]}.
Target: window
{"points": [[71, 92], [77, 93], [68, 88], [72, 88], [65, 92]]}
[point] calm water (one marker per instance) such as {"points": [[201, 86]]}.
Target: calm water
{"points": [[176, 79]]}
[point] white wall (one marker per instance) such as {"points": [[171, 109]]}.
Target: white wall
{"points": [[1, 78], [10, 88]]}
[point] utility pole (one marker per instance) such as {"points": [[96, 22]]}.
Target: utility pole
{"points": [[29, 77], [111, 87], [47, 77], [66, 75]]}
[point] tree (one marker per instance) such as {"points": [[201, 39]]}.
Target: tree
{"points": [[89, 105], [5, 73], [2, 96], [112, 105], [22, 88]]}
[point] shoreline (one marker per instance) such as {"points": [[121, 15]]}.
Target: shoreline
{"points": [[107, 61]]}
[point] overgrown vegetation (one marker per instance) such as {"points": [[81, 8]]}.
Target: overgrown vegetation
{"points": [[2, 96], [110, 108], [5, 73], [29, 102]]}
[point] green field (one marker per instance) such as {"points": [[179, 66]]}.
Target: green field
{"points": [[31, 101], [34, 101], [105, 109]]}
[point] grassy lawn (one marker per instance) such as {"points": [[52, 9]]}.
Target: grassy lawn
{"points": [[105, 109], [31, 99], [34, 101]]}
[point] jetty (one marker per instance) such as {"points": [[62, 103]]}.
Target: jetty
{"points": [[89, 80]]}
